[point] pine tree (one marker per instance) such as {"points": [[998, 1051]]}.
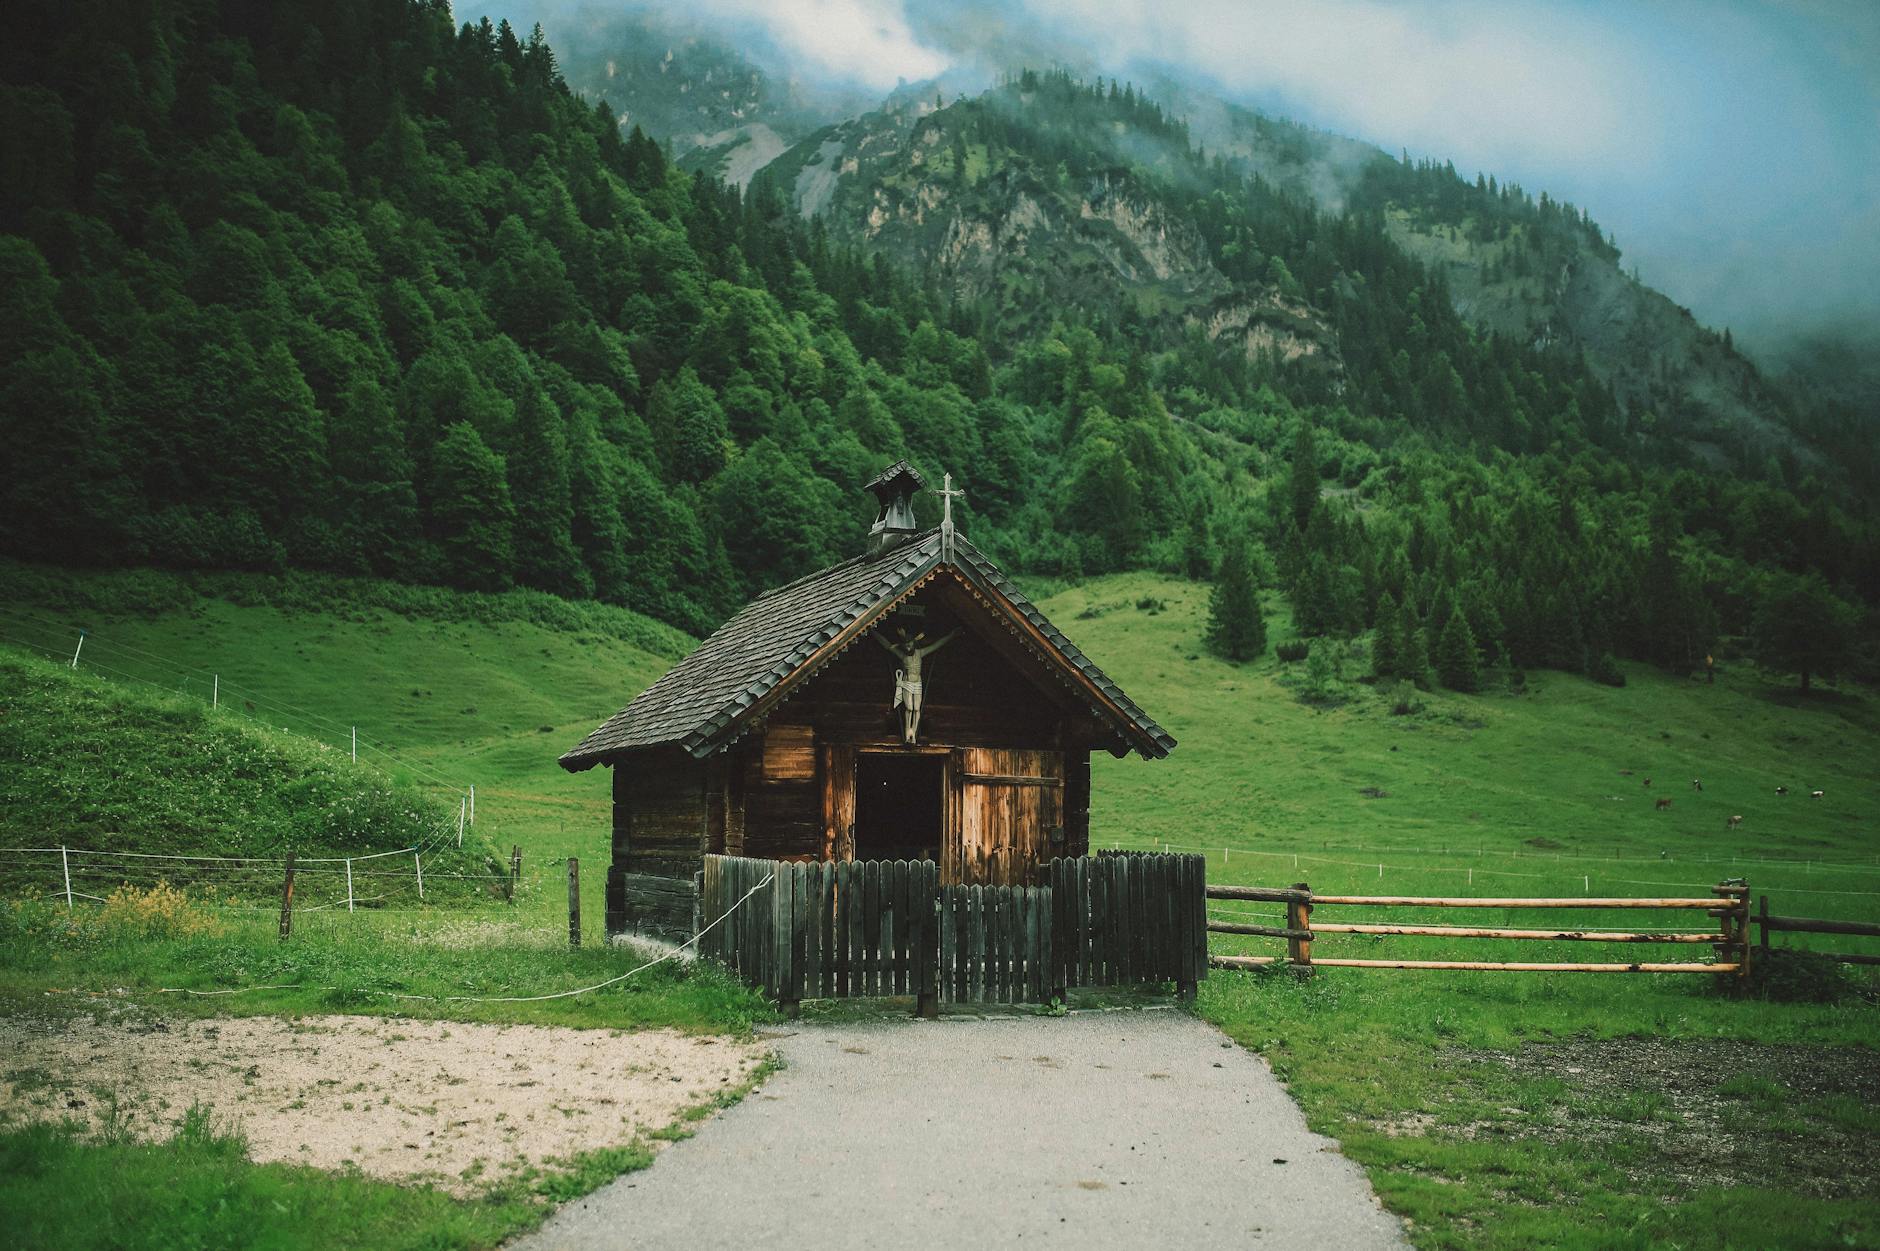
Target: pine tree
{"points": [[472, 516], [1303, 485], [1387, 647], [539, 483], [1802, 628], [1236, 629], [1458, 661]]}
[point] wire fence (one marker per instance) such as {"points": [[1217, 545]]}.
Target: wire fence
{"points": [[1459, 865], [66, 643], [377, 882]]}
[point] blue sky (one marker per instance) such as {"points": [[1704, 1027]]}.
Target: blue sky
{"points": [[1732, 146]]}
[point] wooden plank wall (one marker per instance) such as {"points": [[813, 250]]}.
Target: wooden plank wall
{"points": [[659, 814]]}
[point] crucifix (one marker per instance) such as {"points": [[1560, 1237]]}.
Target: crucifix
{"points": [[907, 683]]}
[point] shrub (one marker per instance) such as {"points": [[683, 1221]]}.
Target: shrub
{"points": [[1790, 975], [1294, 652], [1605, 670]]}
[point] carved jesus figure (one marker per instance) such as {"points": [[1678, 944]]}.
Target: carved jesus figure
{"points": [[907, 683]]}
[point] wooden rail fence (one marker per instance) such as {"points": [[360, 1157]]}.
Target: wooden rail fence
{"points": [[1728, 906], [1817, 925], [851, 929]]}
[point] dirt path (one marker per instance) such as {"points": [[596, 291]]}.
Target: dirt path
{"points": [[1102, 1130], [462, 1105]]}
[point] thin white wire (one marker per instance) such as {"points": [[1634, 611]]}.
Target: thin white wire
{"points": [[560, 994], [1807, 866], [1387, 867], [330, 726]]}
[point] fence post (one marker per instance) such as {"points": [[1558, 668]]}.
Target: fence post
{"points": [[215, 692], [65, 862], [1299, 917], [515, 873], [473, 805], [1742, 930], [355, 744], [574, 902], [418, 863], [349, 894], [461, 808], [287, 899]]}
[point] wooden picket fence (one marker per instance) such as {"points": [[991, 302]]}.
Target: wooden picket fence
{"points": [[1728, 935], [855, 929]]}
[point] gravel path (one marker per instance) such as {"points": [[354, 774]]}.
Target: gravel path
{"points": [[1118, 1129]]}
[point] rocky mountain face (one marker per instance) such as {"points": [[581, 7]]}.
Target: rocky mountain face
{"points": [[719, 110], [1026, 203], [1007, 202]]}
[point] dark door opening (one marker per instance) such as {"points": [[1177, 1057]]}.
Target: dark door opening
{"points": [[899, 802]]}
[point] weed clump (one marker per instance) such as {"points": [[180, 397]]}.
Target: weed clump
{"points": [[1789, 975]]}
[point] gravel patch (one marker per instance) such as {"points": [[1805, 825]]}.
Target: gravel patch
{"points": [[1106, 1129], [457, 1104]]}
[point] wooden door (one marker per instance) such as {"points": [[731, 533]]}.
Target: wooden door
{"points": [[1011, 813]]}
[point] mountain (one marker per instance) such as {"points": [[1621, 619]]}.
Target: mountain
{"points": [[1033, 197], [718, 110], [355, 290]]}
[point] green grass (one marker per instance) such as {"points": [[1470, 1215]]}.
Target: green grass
{"points": [[59, 1189], [428, 965], [1509, 795], [1517, 794]]}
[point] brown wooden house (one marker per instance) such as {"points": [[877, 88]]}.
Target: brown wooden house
{"points": [[910, 703]]}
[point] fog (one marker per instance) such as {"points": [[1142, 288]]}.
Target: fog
{"points": [[1733, 149]]}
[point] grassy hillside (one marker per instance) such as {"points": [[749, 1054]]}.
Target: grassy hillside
{"points": [[94, 764], [1498, 790], [1557, 771]]}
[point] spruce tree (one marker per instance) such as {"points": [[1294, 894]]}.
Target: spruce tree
{"points": [[1236, 629], [1387, 648], [472, 516], [1458, 661], [1303, 486]]}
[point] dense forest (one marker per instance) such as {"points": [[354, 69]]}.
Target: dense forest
{"points": [[356, 288]]}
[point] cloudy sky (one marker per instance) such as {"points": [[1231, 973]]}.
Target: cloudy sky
{"points": [[1732, 146]]}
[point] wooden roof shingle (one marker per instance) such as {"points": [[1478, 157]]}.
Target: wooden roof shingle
{"points": [[701, 703]]}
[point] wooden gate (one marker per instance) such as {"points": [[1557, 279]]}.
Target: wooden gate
{"points": [[996, 945], [867, 928]]}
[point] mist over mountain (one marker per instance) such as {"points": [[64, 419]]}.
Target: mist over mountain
{"points": [[1733, 151]]}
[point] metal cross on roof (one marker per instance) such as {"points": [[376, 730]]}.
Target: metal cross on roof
{"points": [[946, 494]]}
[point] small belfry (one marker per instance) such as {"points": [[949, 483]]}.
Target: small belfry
{"points": [[962, 734]]}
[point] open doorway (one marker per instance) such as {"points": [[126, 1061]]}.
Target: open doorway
{"points": [[899, 806]]}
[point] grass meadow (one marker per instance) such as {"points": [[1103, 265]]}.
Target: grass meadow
{"points": [[1491, 1109]]}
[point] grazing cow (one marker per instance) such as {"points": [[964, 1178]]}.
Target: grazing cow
{"points": [[1697, 784], [1662, 805], [1816, 794], [1732, 823], [1648, 783], [1782, 790]]}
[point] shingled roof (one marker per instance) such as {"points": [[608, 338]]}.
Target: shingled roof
{"points": [[704, 701]]}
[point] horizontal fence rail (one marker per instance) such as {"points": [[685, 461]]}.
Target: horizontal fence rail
{"points": [[1728, 938], [1817, 925]]}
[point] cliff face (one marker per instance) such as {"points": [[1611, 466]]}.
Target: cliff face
{"points": [[993, 224], [1023, 204]]}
